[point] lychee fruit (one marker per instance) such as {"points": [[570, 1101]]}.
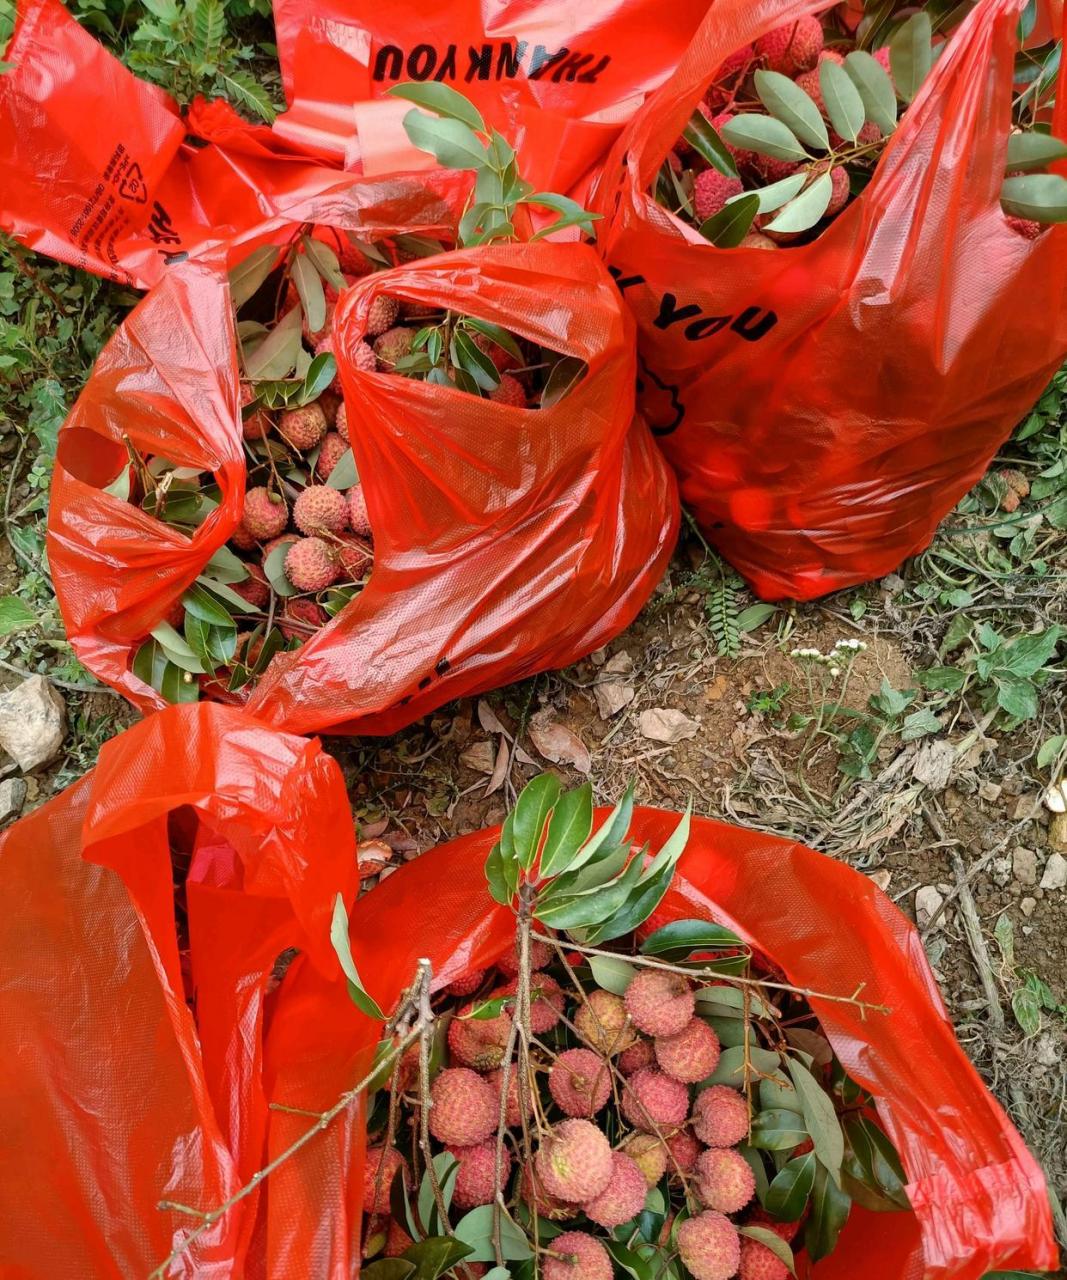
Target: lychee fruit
{"points": [[513, 1109], [462, 1110], [786, 1231], [257, 424], [659, 1003], [265, 514], [757, 1262], [243, 538], [509, 391], [709, 1246], [320, 509], [654, 1102], [382, 315], [310, 564], [711, 190], [364, 359], [771, 169], [391, 346], [546, 1001], [286, 540], [735, 63], [881, 56], [691, 1054], [741, 158], [624, 1196], [811, 84], [720, 1116], [341, 422], [755, 240], [479, 1042], [546, 1206], [540, 955], [580, 1082], [396, 1240], [330, 454], [648, 1152], [354, 560], [468, 984], [603, 1023], [503, 360], [380, 1167], [724, 1179], [255, 588], [683, 1150], [640, 1054], [305, 611], [839, 192], [1026, 227], [576, 1255], [792, 47], [573, 1161], [329, 402], [303, 428], [358, 516], [475, 1182]]}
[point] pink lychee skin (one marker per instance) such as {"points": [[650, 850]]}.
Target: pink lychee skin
{"points": [[638, 1055], [540, 955], [513, 1110], [320, 509], [332, 451], [382, 315], [303, 428], [792, 47], [379, 1169], [547, 1206], [624, 1196], [265, 515], [257, 424], [659, 1004], [690, 1055], [1025, 227], [503, 360], [546, 1001], [743, 159], [353, 558], [310, 565], [757, 1262], [574, 1161], [602, 1022], [709, 1246], [711, 190], [649, 1154], [243, 539], [653, 1101], [593, 1260], [720, 1116], [735, 62], [255, 588], [364, 359], [580, 1082], [341, 422], [475, 1182], [391, 346], [479, 1042], [462, 1111], [684, 1149], [510, 391], [358, 516], [724, 1179], [301, 611], [468, 984], [840, 192]]}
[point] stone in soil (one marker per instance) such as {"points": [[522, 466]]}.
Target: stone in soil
{"points": [[33, 723]]}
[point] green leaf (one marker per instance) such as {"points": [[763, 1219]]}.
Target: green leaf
{"points": [[873, 1163], [821, 1118], [829, 1212], [176, 649], [451, 141], [787, 1196], [875, 89], [731, 1071], [437, 1255], [759, 1169], [499, 885], [943, 679], [1017, 696], [149, 663], [487, 1009], [680, 938], [777, 1131], [247, 92], [342, 946], [919, 724], [779, 1247], [844, 105], [496, 334], [321, 372], [343, 474], [1028, 654], [788, 102], [274, 568], [727, 228], [387, 1269], [247, 277], [764, 135], [775, 195], [1051, 749], [178, 685], [613, 973], [613, 831], [572, 821], [755, 616], [441, 100], [15, 615], [703, 137], [911, 55], [585, 910], [1026, 1006], [571, 213], [446, 1166], [532, 812], [275, 357], [326, 262], [1029, 151], [476, 1229], [465, 355], [564, 375], [1037, 197], [776, 1093], [715, 1001], [201, 604], [309, 288], [805, 210]]}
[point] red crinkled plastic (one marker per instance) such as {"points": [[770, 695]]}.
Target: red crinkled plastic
{"points": [[826, 405], [114, 1096]]}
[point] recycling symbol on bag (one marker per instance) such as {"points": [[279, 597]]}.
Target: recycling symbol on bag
{"points": [[132, 187]]}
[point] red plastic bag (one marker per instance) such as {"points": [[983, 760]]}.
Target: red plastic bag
{"points": [[557, 81], [115, 1094], [506, 541], [826, 405], [92, 1012]]}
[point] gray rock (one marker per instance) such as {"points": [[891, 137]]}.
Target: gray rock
{"points": [[667, 724], [1028, 906], [12, 797], [1024, 863], [611, 697], [33, 723], [1055, 876]]}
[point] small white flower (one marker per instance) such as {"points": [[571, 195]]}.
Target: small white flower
{"points": [[835, 672]]}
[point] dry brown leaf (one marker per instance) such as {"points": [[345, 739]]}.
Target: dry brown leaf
{"points": [[479, 756], [500, 769], [665, 724], [488, 719], [611, 697], [558, 743]]}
